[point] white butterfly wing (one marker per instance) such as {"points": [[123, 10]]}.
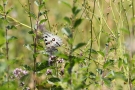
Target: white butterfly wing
{"points": [[56, 41], [51, 40]]}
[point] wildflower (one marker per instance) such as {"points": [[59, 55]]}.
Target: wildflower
{"points": [[22, 84], [51, 59], [49, 72], [26, 88], [62, 72], [60, 60], [18, 72]]}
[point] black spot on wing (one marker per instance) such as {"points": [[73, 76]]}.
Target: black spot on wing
{"points": [[53, 39], [45, 39], [57, 43]]}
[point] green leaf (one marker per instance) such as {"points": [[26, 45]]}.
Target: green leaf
{"points": [[62, 55], [119, 75], [57, 88], [42, 13], [12, 38], [9, 11], [41, 65], [32, 15], [31, 32], [40, 7], [108, 63], [67, 32], [42, 21], [67, 19], [101, 53], [66, 3], [93, 51], [92, 75], [11, 27], [100, 71], [75, 10], [1, 8], [125, 30], [40, 47], [5, 2], [77, 22], [27, 46], [120, 62], [79, 45], [70, 41], [54, 79], [27, 67], [37, 3], [107, 81], [1, 55], [35, 55]]}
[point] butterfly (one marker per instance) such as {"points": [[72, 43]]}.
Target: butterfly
{"points": [[52, 42]]}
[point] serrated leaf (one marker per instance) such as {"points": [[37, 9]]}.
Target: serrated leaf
{"points": [[42, 21], [67, 32], [79, 45], [67, 19], [77, 23], [54, 79]]}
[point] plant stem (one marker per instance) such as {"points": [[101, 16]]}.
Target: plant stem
{"points": [[133, 15], [34, 41], [46, 16], [91, 32], [7, 49], [125, 14]]}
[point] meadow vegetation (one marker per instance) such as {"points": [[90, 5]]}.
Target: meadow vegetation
{"points": [[97, 50]]}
